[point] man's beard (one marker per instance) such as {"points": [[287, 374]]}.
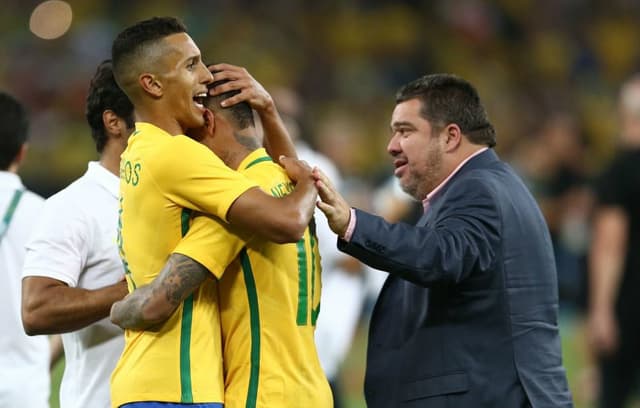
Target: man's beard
{"points": [[423, 180]]}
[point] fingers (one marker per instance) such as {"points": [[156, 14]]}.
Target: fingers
{"points": [[325, 208], [239, 79], [320, 176], [326, 194], [226, 68], [228, 72], [230, 86], [290, 161], [244, 96]]}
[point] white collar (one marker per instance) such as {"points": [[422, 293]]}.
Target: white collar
{"points": [[104, 177], [10, 180]]}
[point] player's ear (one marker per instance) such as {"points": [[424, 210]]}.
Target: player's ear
{"points": [[22, 153], [150, 84], [453, 136], [209, 121], [111, 122]]}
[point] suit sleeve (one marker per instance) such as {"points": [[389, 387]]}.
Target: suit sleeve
{"points": [[462, 239]]}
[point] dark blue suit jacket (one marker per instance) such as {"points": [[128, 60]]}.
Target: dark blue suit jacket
{"points": [[468, 315]]}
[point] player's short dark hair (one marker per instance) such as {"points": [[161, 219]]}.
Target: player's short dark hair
{"points": [[14, 129], [449, 99], [240, 114], [105, 94], [131, 45]]}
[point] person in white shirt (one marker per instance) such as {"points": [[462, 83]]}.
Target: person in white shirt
{"points": [[72, 271], [24, 361]]}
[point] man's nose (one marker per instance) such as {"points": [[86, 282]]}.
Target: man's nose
{"points": [[207, 76], [393, 148]]}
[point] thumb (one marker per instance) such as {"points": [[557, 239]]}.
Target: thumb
{"points": [[324, 207], [282, 159]]}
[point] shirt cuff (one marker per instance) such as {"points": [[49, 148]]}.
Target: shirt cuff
{"points": [[352, 225]]}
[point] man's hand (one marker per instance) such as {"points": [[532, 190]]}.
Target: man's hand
{"points": [[297, 170], [251, 91], [333, 205]]}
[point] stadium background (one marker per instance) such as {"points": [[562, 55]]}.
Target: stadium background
{"points": [[548, 72]]}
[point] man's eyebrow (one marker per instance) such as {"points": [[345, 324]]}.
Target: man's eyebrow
{"points": [[400, 123], [191, 58]]}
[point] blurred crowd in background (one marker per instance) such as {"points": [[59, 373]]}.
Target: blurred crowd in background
{"points": [[548, 72]]}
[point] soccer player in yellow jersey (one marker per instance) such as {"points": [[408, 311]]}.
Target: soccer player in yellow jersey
{"points": [[269, 295], [164, 176]]}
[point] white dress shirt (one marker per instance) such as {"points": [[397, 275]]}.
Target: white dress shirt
{"points": [[75, 242]]}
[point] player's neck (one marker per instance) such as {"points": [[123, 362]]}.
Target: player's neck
{"points": [[160, 119], [110, 157], [13, 168], [246, 142]]}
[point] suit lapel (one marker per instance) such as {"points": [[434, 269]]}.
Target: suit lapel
{"points": [[424, 218]]}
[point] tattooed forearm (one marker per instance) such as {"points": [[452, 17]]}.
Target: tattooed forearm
{"points": [[181, 276], [154, 303], [127, 313]]}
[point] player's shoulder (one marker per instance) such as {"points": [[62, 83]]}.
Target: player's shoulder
{"points": [[71, 198], [182, 150], [30, 204], [32, 197]]}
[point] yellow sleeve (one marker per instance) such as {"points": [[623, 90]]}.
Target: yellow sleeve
{"points": [[211, 243], [214, 244], [194, 177]]}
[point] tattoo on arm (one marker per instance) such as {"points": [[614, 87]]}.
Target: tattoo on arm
{"points": [[180, 277], [154, 303]]}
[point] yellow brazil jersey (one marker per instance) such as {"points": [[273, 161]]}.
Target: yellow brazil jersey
{"points": [[269, 302], [162, 178]]}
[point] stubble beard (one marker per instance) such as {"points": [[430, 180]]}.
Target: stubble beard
{"points": [[422, 180]]}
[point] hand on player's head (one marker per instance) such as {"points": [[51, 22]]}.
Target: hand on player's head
{"points": [[239, 79]]}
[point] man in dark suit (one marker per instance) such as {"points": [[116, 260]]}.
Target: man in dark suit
{"points": [[468, 315]]}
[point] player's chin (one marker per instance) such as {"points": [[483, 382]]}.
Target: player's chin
{"points": [[196, 120]]}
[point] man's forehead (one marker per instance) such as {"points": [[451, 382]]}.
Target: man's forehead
{"points": [[182, 45], [407, 110]]}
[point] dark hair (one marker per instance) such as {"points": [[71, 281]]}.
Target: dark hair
{"points": [[14, 127], [104, 93], [449, 99], [241, 113], [131, 44]]}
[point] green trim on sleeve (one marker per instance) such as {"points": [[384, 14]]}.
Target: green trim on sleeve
{"points": [[254, 318], [259, 160], [312, 241], [186, 391], [303, 302]]}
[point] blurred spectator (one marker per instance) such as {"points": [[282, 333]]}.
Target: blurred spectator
{"points": [[525, 54], [24, 377], [613, 324], [552, 163]]}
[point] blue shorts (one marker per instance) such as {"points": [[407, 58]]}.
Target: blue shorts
{"points": [[156, 404]]}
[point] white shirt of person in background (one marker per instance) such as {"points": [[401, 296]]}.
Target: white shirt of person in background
{"points": [[24, 360], [75, 242]]}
